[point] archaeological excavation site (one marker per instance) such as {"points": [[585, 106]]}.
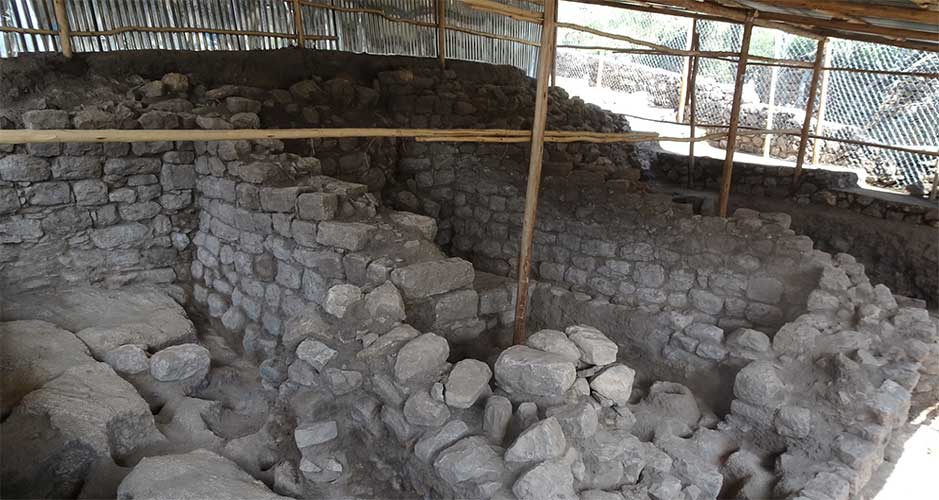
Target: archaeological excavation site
{"points": [[469, 249]]}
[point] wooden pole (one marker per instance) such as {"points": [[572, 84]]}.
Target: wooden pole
{"points": [[534, 170], [735, 116], [601, 58], [771, 107], [822, 105], [441, 11], [298, 23], [935, 183], [809, 108], [693, 103], [554, 52], [61, 19], [686, 73]]}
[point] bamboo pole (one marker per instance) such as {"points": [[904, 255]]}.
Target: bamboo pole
{"points": [[735, 116], [771, 108], [61, 19], [810, 107], [686, 72], [441, 12], [822, 106], [693, 112], [534, 171], [298, 23]]}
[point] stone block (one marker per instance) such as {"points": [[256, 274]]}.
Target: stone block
{"points": [[425, 279], [421, 358], [24, 168], [352, 236], [174, 177], [764, 289], [542, 441], [120, 235], [420, 224], [317, 206], [218, 188], [556, 342], [758, 383], [614, 383], [10, 200], [467, 382], [595, 347], [521, 369], [279, 199], [46, 119], [77, 167]]}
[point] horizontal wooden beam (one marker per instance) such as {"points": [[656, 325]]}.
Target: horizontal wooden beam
{"points": [[161, 29], [867, 9], [505, 10]]}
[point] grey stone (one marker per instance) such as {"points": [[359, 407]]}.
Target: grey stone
{"points": [[432, 442], [48, 193], [595, 347], [178, 177], [46, 119], [765, 289], [422, 409], [316, 353], [10, 200], [468, 380], [555, 342], [139, 211], [343, 381], [234, 319], [120, 235], [59, 431], [578, 420], [467, 464], [180, 362], [747, 339], [529, 371], [24, 168], [796, 337], [129, 359], [90, 192], [315, 434], [279, 199], [705, 332], [421, 357], [340, 297], [614, 383], [385, 301], [198, 474], [706, 301], [758, 383], [793, 421], [552, 479], [352, 236], [421, 224], [542, 441], [496, 418], [317, 206], [424, 279], [320, 469], [77, 167]]}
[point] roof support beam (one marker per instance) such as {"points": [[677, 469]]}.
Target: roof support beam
{"points": [[735, 117], [61, 18], [441, 12], [820, 51], [545, 56]]}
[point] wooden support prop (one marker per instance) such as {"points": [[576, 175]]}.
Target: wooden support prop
{"points": [[534, 171], [298, 23], [935, 183], [735, 116], [61, 19], [686, 73], [822, 106], [441, 12], [693, 104], [810, 108]]}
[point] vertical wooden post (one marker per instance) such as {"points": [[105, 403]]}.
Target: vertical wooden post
{"points": [[545, 54], [822, 104], [735, 115], [693, 104], [554, 55], [441, 11], [810, 107], [61, 19], [298, 23], [771, 107], [935, 183], [686, 72]]}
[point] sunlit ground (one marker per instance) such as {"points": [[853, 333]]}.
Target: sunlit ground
{"points": [[916, 475]]}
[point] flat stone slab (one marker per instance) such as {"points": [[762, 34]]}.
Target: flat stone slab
{"points": [[154, 318], [424, 279], [200, 474], [521, 369], [33, 353]]}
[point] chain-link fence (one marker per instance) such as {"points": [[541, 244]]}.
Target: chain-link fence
{"points": [[887, 109]]}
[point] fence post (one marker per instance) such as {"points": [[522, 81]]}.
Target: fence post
{"points": [[771, 108], [809, 106], [822, 101], [61, 18], [298, 23], [727, 173], [686, 71], [545, 55], [441, 12]]}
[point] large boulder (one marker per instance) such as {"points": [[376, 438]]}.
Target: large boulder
{"points": [[105, 319], [200, 474], [521, 369], [58, 432], [31, 354]]}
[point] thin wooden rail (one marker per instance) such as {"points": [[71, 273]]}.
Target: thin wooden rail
{"points": [[516, 13], [214, 31]]}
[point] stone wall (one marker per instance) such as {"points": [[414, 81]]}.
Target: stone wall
{"points": [[103, 213]]}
